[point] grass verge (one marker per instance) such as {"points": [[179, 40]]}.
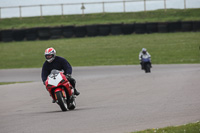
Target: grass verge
{"points": [[103, 18], [6, 83], [165, 48], [188, 128]]}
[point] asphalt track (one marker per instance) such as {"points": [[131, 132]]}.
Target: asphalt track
{"points": [[114, 99]]}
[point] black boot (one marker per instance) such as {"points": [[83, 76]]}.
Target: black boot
{"points": [[53, 101], [76, 92]]}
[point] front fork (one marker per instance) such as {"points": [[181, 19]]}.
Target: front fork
{"points": [[53, 93]]}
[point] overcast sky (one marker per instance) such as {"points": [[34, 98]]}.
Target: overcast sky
{"points": [[4, 3]]}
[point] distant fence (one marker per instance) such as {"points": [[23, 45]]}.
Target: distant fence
{"points": [[24, 11], [46, 33]]}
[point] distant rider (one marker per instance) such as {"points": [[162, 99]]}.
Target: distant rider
{"points": [[143, 53], [58, 63]]}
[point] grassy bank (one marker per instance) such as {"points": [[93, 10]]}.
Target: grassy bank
{"points": [[188, 128], [7, 83], [131, 17], [166, 48]]}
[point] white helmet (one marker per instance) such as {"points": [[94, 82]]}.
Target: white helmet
{"points": [[144, 50], [50, 54]]}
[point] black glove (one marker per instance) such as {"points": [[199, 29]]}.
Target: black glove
{"points": [[44, 82]]}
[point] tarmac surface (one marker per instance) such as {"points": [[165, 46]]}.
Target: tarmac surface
{"points": [[113, 99]]}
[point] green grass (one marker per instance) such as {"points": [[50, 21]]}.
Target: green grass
{"points": [[130, 17], [165, 48], [6, 83], [188, 128]]}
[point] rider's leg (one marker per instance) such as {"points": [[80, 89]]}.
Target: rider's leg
{"points": [[73, 83]]}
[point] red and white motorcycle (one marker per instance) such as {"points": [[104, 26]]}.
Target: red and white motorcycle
{"points": [[61, 90]]}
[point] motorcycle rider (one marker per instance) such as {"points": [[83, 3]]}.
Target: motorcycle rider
{"points": [[142, 53], [58, 63]]}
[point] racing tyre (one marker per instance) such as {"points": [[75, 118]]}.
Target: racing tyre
{"points": [[148, 68], [72, 104], [61, 101]]}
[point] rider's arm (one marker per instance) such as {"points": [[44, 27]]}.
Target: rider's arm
{"points": [[140, 56], [149, 55], [44, 73], [67, 67]]}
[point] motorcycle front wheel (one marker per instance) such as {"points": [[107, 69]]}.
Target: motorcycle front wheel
{"points": [[61, 101], [148, 68]]}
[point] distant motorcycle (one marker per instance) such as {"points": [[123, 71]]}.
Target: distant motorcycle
{"points": [[61, 90], [146, 62]]}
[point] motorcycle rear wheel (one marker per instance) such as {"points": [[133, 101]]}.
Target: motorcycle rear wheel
{"points": [[72, 104], [61, 101]]}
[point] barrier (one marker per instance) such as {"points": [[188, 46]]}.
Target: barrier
{"points": [[127, 28], [140, 28], [92, 30], [55, 32], [31, 34], [151, 27], [104, 29], [186, 26], [45, 33], [162, 27], [7, 35], [174, 27], [116, 29], [80, 31], [19, 35], [68, 31], [196, 26]]}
